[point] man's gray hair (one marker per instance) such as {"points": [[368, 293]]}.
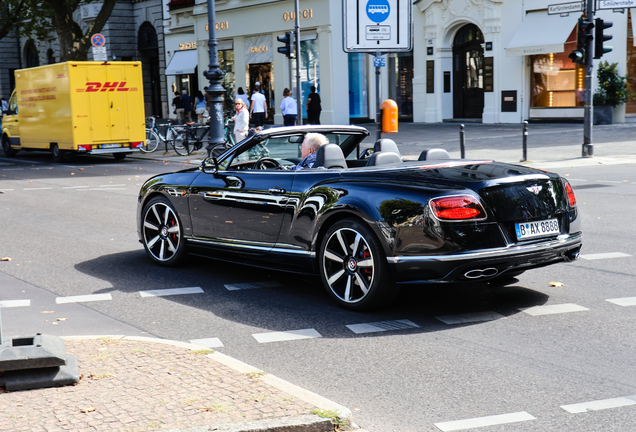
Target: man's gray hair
{"points": [[315, 140]]}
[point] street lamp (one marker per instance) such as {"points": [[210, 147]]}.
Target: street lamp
{"points": [[215, 75]]}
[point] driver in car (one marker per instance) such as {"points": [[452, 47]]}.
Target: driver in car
{"points": [[311, 144]]}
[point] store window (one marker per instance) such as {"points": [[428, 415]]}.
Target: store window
{"points": [[556, 80], [401, 82], [358, 86], [226, 62], [309, 69]]}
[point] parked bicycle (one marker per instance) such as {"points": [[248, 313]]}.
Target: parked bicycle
{"points": [[173, 136], [192, 139]]}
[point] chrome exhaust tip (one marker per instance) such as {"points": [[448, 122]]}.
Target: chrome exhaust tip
{"points": [[572, 255], [481, 273]]}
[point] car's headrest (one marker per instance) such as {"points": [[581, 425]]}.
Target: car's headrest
{"points": [[436, 153], [383, 158], [330, 156], [386, 145]]}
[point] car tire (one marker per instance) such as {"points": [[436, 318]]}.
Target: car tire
{"points": [[58, 155], [162, 232], [353, 267], [6, 146]]}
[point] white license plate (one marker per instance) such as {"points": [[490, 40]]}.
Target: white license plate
{"points": [[110, 145], [528, 230]]}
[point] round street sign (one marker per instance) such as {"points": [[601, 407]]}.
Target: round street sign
{"points": [[98, 40], [378, 10]]}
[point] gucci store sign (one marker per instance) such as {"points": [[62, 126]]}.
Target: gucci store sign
{"points": [[258, 49]]}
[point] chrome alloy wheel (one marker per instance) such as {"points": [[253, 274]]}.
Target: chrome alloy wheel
{"points": [[347, 263], [161, 230]]}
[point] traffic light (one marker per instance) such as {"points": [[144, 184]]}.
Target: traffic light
{"points": [[600, 37], [287, 48], [583, 37]]}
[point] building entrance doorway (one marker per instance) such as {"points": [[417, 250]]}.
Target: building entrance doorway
{"points": [[468, 73], [264, 74]]}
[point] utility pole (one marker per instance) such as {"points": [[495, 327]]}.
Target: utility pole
{"points": [[215, 75], [299, 91]]}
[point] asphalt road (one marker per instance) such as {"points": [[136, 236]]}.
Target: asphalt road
{"points": [[440, 355]]}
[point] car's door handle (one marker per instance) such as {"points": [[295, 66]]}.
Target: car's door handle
{"points": [[277, 190]]}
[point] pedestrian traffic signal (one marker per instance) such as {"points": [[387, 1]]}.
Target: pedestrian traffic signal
{"points": [[583, 37], [600, 37], [287, 41]]}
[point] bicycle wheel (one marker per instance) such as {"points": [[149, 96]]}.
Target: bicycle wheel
{"points": [[152, 141], [219, 149], [183, 143]]}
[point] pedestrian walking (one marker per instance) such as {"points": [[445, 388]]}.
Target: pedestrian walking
{"points": [[187, 105], [199, 107], [258, 110], [177, 105], [289, 108], [5, 107], [240, 94], [241, 120], [313, 107]]}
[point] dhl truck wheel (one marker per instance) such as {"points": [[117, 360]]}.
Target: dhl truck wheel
{"points": [[8, 151]]}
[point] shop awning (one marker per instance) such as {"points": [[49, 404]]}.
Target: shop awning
{"points": [[541, 33], [182, 63]]}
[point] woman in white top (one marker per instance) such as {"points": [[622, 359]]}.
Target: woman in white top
{"points": [[289, 108], [241, 121]]}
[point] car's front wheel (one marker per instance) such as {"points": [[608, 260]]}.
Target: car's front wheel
{"points": [[162, 232], [353, 267]]}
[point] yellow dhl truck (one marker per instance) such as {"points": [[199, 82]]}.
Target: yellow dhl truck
{"points": [[76, 107]]}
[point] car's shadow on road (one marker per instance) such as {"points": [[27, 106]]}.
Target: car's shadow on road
{"points": [[300, 301]]}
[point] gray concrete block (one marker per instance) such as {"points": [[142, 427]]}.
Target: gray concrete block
{"points": [[29, 352], [42, 377]]}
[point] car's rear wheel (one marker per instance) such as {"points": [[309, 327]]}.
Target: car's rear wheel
{"points": [[162, 233], [353, 267]]}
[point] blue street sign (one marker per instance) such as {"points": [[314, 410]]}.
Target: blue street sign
{"points": [[379, 61], [98, 40], [378, 10]]}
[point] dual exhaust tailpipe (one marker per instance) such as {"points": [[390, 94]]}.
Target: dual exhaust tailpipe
{"points": [[481, 273]]}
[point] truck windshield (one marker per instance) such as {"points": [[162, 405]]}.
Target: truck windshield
{"points": [[13, 104]]}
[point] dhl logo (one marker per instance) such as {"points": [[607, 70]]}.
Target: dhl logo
{"points": [[107, 86]]}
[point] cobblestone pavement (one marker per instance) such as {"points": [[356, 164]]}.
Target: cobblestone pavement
{"points": [[130, 385]]}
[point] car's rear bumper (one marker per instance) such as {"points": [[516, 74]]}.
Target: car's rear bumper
{"points": [[481, 265]]}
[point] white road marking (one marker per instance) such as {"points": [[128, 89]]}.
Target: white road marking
{"points": [[624, 301], [554, 309], [170, 291], [208, 343], [106, 190], [42, 168], [381, 326], [607, 255], [3, 190], [252, 285], [485, 421], [73, 187], [83, 298], [45, 188], [609, 181], [600, 404], [581, 180], [286, 335], [107, 186], [14, 303], [469, 317], [12, 169]]}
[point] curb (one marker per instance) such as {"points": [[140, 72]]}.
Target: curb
{"points": [[310, 423]]}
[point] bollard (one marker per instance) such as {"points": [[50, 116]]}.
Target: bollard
{"points": [[461, 141], [525, 141]]}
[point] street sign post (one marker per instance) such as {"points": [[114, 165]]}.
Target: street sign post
{"points": [[377, 25], [615, 4], [566, 8]]}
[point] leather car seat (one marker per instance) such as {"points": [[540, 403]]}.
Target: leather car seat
{"points": [[386, 145], [384, 158], [431, 154], [330, 156]]}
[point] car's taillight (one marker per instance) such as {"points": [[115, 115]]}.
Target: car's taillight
{"points": [[458, 207], [136, 144], [571, 197], [84, 147]]}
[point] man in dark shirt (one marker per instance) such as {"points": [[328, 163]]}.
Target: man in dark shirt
{"points": [[313, 107], [311, 144], [177, 104], [187, 104]]}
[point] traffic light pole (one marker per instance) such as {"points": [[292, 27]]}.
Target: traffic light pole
{"points": [[588, 147], [299, 91]]}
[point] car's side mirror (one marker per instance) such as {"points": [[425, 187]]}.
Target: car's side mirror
{"points": [[366, 153], [210, 166]]}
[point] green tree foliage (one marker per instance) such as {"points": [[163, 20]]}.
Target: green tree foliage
{"points": [[612, 88], [75, 43], [25, 18]]}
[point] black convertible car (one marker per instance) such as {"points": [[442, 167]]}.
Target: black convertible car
{"points": [[364, 223]]}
